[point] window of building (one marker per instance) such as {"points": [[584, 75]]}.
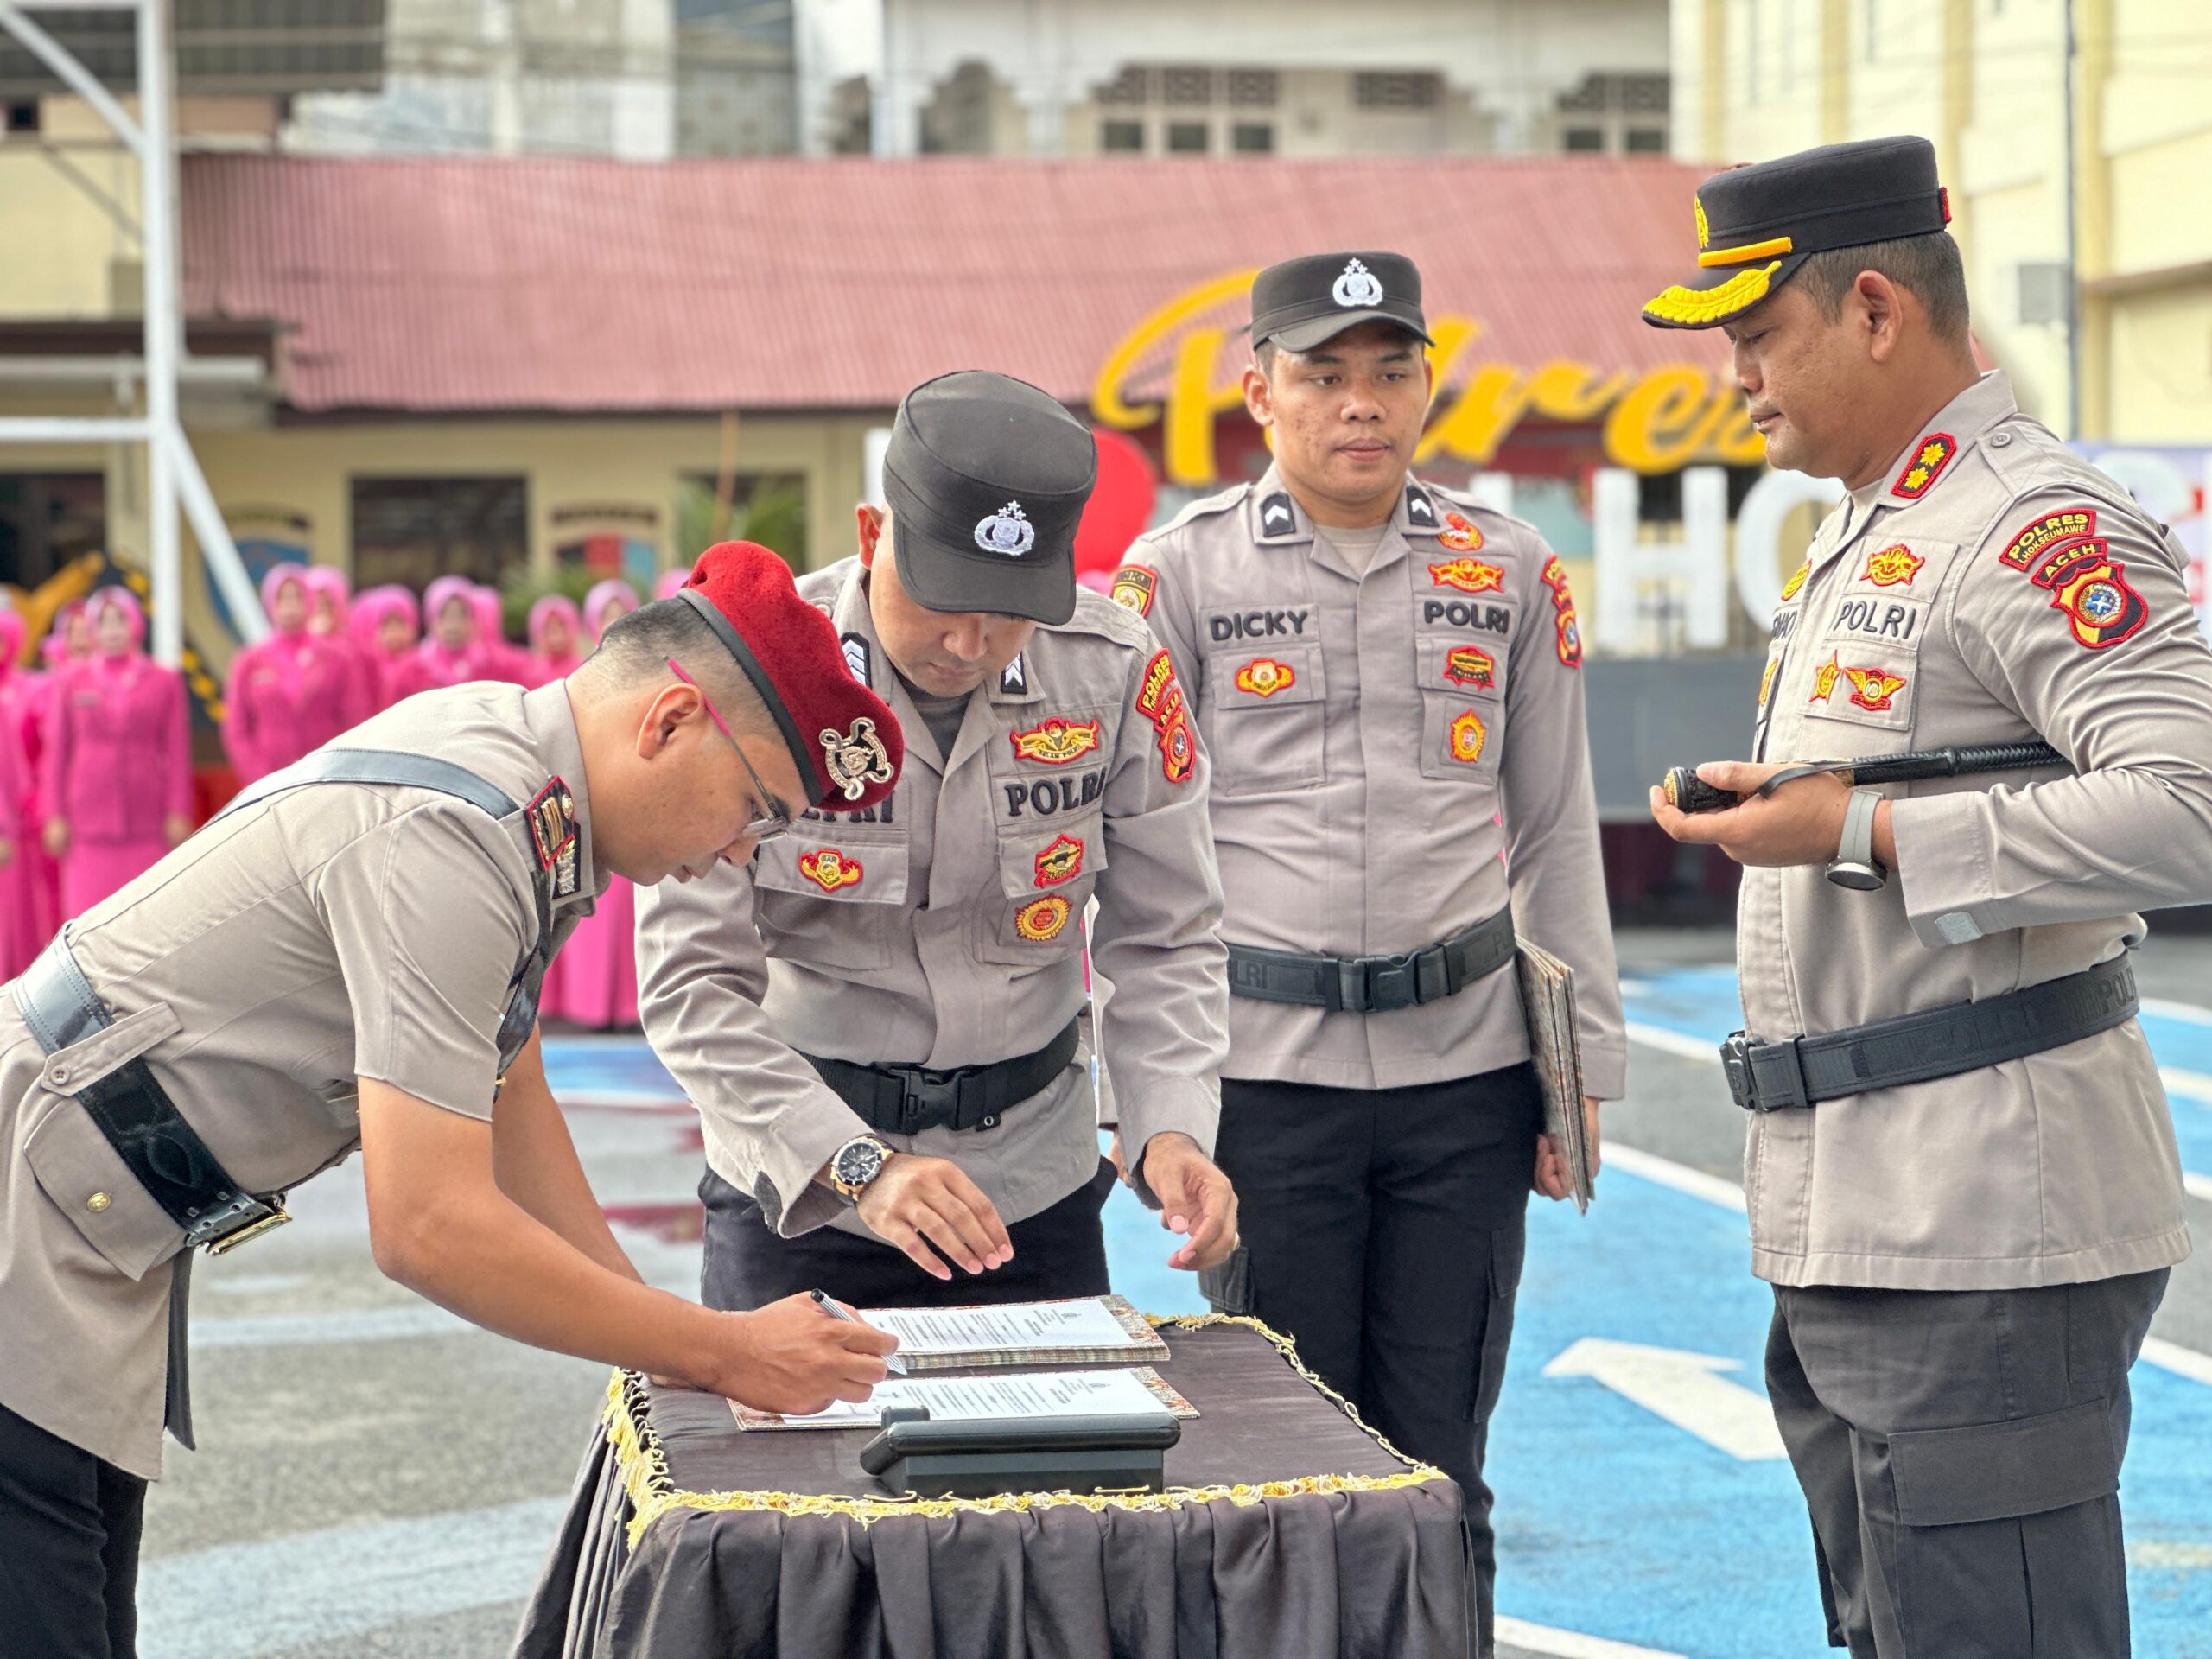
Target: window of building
{"points": [[1253, 88], [1391, 89], [1583, 139], [1185, 84], [1188, 138], [413, 530], [1122, 137], [1252, 138], [46, 519], [1647, 141], [22, 115], [1132, 85]]}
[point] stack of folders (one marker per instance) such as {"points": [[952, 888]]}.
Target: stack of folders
{"points": [[1547, 1000], [1082, 1330]]}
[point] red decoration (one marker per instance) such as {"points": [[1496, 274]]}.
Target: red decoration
{"points": [[1119, 506]]}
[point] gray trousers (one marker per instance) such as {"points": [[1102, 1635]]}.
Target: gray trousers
{"points": [[1960, 1452]]}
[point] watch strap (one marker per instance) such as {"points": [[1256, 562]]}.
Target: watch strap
{"points": [[1854, 865]]}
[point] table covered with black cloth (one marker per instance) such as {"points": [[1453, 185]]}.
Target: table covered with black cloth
{"points": [[1288, 1530]]}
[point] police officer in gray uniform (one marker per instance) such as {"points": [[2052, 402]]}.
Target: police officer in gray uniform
{"points": [[882, 1009], [1962, 1173], [349, 957], [1387, 680]]}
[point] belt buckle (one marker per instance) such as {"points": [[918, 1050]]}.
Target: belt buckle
{"points": [[1391, 983], [1736, 1066], [274, 1215], [924, 1094]]}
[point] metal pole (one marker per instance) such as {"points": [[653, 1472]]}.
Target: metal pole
{"points": [[74, 74], [157, 215], [215, 548], [2073, 251], [70, 429]]}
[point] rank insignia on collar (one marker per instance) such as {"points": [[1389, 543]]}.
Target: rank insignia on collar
{"points": [[1061, 861], [1468, 575], [1873, 688], [1824, 678], [1277, 516], [552, 816], [2094, 593], [1471, 665], [1930, 459], [1797, 580], [1056, 741], [1264, 676], [1133, 588], [1458, 533], [1893, 566], [1420, 509], [829, 869], [1468, 736], [2051, 531], [1014, 677], [855, 760], [857, 656], [1042, 918]]}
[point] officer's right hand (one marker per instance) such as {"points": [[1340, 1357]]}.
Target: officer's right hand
{"points": [[919, 1202], [56, 836], [791, 1357]]}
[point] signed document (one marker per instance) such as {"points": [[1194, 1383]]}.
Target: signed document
{"points": [[1083, 1330], [1033, 1396]]}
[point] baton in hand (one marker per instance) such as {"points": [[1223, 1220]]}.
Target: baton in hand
{"points": [[1687, 792]]}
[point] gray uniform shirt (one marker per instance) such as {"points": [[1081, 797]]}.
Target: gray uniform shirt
{"points": [[1398, 750], [335, 932], [943, 929], [1949, 602]]}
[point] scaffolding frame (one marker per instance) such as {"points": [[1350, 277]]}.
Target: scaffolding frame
{"points": [[174, 476]]}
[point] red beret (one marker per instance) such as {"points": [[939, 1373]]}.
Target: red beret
{"points": [[843, 738]]}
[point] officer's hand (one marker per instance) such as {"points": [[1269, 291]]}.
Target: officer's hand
{"points": [[919, 1202], [7, 852], [56, 836], [791, 1357], [1802, 822], [1552, 1179], [175, 828], [1114, 1157], [1195, 1198]]}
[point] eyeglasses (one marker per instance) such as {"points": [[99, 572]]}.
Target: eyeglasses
{"points": [[771, 823]]}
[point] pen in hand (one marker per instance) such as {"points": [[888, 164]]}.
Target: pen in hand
{"points": [[837, 1310]]}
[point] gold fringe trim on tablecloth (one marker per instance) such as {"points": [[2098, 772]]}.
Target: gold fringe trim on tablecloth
{"points": [[642, 1467]]}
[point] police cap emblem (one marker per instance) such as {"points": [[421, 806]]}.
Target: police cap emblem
{"points": [[1008, 531], [855, 759], [1357, 286]]}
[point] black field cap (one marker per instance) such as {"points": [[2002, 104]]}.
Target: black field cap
{"points": [[986, 477], [1301, 302], [1756, 225]]}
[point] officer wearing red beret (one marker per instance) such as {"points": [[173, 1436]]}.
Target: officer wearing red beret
{"points": [[349, 956]]}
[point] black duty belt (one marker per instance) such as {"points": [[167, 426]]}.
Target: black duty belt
{"points": [[1374, 984], [1935, 1043], [136, 1116], [906, 1099]]}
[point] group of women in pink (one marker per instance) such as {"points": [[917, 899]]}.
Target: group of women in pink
{"points": [[72, 830]]}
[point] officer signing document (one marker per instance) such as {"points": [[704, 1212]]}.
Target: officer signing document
{"points": [[350, 956], [1961, 1173]]}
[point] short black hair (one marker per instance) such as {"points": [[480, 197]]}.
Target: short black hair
{"points": [[1929, 267], [638, 645]]}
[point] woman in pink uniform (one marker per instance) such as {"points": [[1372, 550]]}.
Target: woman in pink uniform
{"points": [[69, 639], [452, 653], [556, 636], [599, 964], [292, 692], [330, 600], [387, 626], [504, 660], [20, 939], [117, 767]]}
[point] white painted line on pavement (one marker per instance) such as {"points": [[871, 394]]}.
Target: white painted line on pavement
{"points": [[1571, 1644], [2182, 1361], [1683, 1389], [354, 1324], [236, 1600], [2189, 1085], [2184, 1011], [2184, 1558], [1713, 1189], [2197, 1186], [1673, 1042]]}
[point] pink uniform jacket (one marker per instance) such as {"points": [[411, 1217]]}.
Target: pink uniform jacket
{"points": [[22, 909], [289, 694], [597, 971], [545, 668], [395, 674]]}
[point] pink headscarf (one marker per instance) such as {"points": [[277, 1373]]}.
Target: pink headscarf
{"points": [[671, 584], [54, 650], [13, 631], [491, 613], [373, 608], [444, 592], [327, 581], [124, 600], [544, 610], [605, 593], [273, 583]]}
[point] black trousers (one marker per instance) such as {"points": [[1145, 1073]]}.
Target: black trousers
{"points": [[69, 1530], [1059, 1251], [1383, 1232], [1960, 1452]]}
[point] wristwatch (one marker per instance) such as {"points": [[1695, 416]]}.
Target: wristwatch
{"points": [[856, 1163], [1854, 865]]}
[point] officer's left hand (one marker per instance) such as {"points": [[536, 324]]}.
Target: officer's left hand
{"points": [[1802, 822], [175, 827], [1195, 1198], [1552, 1178]]}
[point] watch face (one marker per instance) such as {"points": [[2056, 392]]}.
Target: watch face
{"points": [[858, 1163]]}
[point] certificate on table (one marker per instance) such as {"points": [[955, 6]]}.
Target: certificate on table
{"points": [[1079, 1330], [1030, 1396]]}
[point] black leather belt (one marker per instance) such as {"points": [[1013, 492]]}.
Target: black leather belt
{"points": [[1935, 1043], [1374, 984], [906, 1099], [136, 1116]]}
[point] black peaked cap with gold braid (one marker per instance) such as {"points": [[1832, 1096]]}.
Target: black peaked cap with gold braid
{"points": [[1756, 225]]}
